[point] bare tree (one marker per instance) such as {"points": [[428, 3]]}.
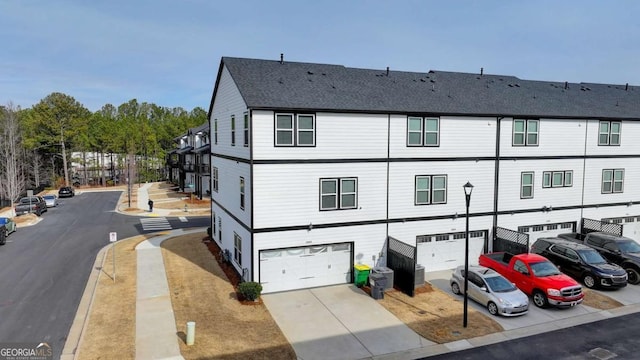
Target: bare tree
{"points": [[12, 175]]}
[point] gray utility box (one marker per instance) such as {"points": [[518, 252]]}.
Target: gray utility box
{"points": [[378, 282], [419, 275], [388, 274]]}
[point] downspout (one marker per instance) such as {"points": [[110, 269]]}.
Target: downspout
{"points": [[496, 175], [253, 269], [388, 164], [584, 169]]}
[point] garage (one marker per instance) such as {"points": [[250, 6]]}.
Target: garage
{"points": [[446, 251], [546, 230], [305, 267]]}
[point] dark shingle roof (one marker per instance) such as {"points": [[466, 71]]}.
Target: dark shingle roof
{"points": [[266, 84]]}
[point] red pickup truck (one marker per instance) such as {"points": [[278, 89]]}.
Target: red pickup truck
{"points": [[536, 276]]}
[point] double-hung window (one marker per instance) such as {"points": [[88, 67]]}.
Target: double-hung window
{"points": [[215, 131], [338, 193], [246, 129], [525, 132], [295, 130], [612, 181], [430, 189], [609, 133], [214, 179], [526, 185], [557, 179], [237, 249], [233, 130], [241, 193], [423, 131]]}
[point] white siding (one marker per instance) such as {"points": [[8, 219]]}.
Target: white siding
{"points": [[629, 133], [369, 241], [228, 194], [555, 137], [510, 180], [289, 194], [229, 226], [593, 180], [338, 136], [402, 187], [459, 137], [407, 231], [228, 102]]}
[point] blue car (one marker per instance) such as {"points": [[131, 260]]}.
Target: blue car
{"points": [[9, 226]]}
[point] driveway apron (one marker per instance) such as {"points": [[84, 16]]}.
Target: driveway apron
{"points": [[339, 322]]}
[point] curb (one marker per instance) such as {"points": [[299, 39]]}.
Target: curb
{"points": [[76, 333]]}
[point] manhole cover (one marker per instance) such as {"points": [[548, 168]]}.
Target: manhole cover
{"points": [[602, 354]]}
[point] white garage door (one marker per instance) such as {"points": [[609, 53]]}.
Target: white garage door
{"points": [[546, 230], [446, 251], [305, 267]]}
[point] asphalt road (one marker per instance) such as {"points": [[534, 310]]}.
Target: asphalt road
{"points": [[612, 338], [44, 268]]}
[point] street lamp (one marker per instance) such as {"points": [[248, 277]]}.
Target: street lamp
{"points": [[468, 188]]}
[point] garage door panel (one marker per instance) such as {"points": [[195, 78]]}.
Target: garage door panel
{"points": [[449, 251], [305, 267]]}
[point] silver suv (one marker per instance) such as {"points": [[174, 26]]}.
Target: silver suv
{"points": [[492, 290]]}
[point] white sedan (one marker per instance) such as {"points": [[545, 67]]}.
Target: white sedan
{"points": [[50, 200]]}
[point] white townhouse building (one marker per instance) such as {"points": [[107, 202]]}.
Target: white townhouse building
{"points": [[189, 164], [315, 167]]}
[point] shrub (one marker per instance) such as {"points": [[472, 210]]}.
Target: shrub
{"points": [[250, 290]]}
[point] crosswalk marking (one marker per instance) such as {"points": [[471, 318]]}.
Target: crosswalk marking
{"points": [[183, 219], [158, 223]]}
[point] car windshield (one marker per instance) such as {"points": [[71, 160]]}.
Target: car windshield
{"points": [[544, 268], [591, 257], [499, 284], [629, 246]]}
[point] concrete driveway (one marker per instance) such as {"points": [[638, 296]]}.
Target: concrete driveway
{"points": [[339, 322]]}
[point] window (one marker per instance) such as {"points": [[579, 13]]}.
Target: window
{"points": [[612, 181], [430, 189], [302, 125], [609, 133], [525, 132], [241, 193], [233, 130], [215, 179], [526, 185], [213, 223], [220, 229], [557, 179], [338, 194], [246, 129], [215, 131], [237, 249], [423, 131]]}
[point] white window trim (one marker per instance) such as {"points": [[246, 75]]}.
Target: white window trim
{"points": [[237, 249], [246, 129], [526, 132], [233, 130], [431, 189], [312, 130], [522, 185], [613, 181], [609, 133], [215, 179], [290, 130], [242, 192], [295, 130], [339, 194], [423, 131], [215, 131]]}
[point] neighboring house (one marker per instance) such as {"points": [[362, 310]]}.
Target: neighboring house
{"points": [[315, 167], [188, 165]]}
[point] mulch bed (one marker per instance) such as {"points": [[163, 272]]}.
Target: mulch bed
{"points": [[234, 278]]}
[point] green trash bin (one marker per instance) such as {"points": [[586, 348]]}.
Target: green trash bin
{"points": [[361, 274]]}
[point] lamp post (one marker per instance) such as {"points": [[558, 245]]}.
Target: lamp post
{"points": [[468, 188]]}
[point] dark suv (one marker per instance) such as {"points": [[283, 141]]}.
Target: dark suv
{"points": [[66, 191], [581, 262]]}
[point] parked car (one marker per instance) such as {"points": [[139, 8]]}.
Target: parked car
{"points": [[31, 205], [617, 249], [9, 226], [581, 262], [535, 275], [492, 290], [66, 191], [50, 200]]}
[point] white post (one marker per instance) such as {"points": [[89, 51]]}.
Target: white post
{"points": [[191, 332]]}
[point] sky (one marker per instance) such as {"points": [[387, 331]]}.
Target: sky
{"points": [[168, 52]]}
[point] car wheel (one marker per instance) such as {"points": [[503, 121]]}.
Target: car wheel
{"points": [[589, 281], [4, 240], [633, 276], [540, 299], [455, 288], [493, 308]]}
